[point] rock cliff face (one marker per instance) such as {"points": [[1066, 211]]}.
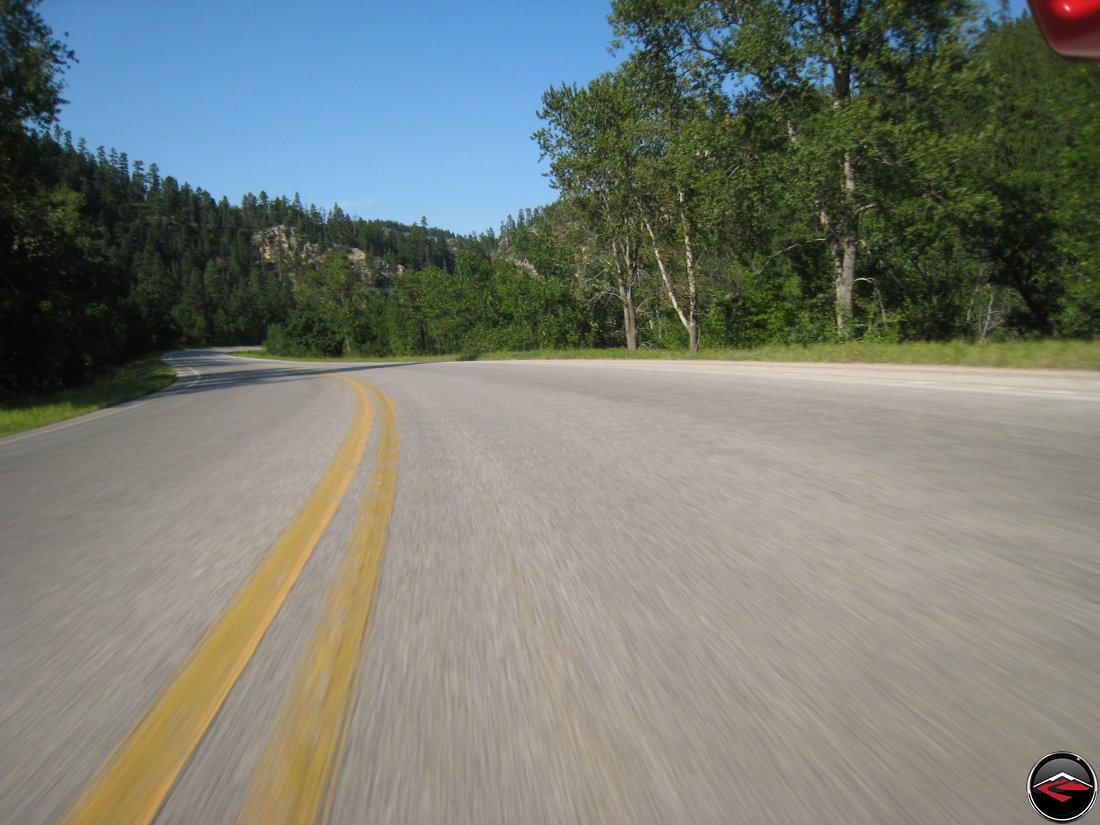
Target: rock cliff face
{"points": [[276, 243], [283, 247]]}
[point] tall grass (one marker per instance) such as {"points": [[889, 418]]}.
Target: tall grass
{"points": [[133, 380]]}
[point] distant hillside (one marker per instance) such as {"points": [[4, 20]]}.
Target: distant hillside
{"points": [[127, 260]]}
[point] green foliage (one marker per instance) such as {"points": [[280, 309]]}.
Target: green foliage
{"points": [[895, 164], [31, 63], [132, 380], [277, 341], [102, 258], [793, 173], [483, 306]]}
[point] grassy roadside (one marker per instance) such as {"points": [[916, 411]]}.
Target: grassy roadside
{"points": [[133, 380], [1079, 355]]}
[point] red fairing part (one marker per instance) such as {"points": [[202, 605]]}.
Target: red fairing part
{"points": [[1071, 27]]}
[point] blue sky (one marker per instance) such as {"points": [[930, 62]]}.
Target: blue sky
{"points": [[391, 110]]}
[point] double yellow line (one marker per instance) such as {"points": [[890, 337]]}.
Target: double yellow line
{"points": [[296, 776], [297, 771]]}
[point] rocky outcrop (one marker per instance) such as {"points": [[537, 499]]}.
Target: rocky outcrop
{"points": [[283, 247]]}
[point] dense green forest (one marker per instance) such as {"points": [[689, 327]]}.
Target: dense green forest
{"points": [[766, 171]]}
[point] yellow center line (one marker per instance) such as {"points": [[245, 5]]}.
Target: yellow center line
{"points": [[132, 785], [296, 776]]}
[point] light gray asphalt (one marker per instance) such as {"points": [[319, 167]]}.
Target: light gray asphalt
{"points": [[612, 592]]}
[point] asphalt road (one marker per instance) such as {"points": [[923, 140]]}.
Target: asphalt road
{"points": [[646, 592]]}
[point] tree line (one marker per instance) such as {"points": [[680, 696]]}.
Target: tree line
{"points": [[103, 258], [754, 172], [800, 170], [107, 259]]}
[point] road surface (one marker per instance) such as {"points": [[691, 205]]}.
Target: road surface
{"points": [[551, 592]]}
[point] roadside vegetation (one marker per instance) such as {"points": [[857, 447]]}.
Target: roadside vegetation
{"points": [[1068, 355], [867, 181], [125, 383]]}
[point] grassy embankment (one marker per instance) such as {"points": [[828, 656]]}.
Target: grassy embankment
{"points": [[133, 380], [1081, 355]]}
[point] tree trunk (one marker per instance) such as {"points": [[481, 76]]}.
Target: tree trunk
{"points": [[625, 268], [693, 283], [845, 243], [630, 319], [843, 235], [689, 323], [845, 282]]}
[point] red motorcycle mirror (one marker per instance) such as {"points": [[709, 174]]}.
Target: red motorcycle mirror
{"points": [[1071, 27]]}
